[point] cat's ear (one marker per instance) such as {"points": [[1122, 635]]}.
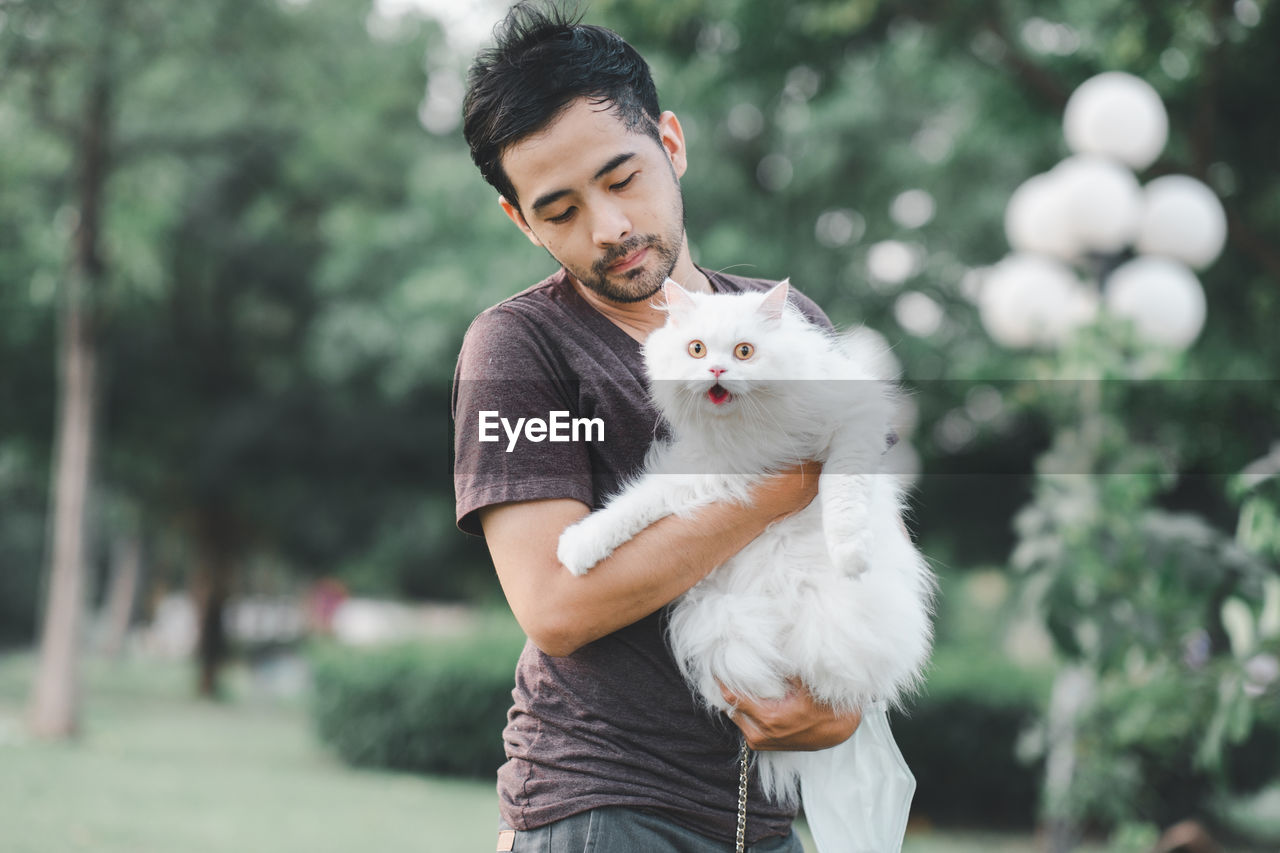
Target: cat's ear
{"points": [[776, 300], [677, 298]]}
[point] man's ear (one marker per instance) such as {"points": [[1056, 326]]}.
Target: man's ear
{"points": [[672, 136], [513, 213]]}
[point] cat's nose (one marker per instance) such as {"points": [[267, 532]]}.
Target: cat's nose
{"points": [[716, 371]]}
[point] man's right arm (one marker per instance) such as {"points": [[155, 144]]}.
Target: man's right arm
{"points": [[561, 613]]}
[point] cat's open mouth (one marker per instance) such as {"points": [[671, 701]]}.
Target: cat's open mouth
{"points": [[718, 394]]}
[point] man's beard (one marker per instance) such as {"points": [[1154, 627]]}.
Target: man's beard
{"points": [[633, 285], [638, 284]]}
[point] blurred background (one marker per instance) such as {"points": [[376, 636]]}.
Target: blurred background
{"points": [[241, 240]]}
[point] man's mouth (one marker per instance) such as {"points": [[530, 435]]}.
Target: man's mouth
{"points": [[632, 260], [718, 394]]}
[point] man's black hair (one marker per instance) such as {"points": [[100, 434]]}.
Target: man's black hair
{"points": [[543, 59]]}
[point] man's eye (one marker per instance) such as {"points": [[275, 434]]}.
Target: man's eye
{"points": [[564, 217], [622, 184]]}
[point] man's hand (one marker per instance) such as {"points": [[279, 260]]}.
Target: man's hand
{"points": [[794, 722]]}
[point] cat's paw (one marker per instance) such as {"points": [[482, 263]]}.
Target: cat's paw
{"points": [[851, 556], [582, 546]]}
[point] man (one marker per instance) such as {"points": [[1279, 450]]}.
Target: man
{"points": [[604, 741]]}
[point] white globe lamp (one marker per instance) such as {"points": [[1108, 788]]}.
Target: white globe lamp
{"points": [[1104, 202], [1161, 296], [1117, 115], [1030, 301], [1182, 219], [1038, 219]]}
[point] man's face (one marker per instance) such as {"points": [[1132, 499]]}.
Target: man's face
{"points": [[602, 199]]}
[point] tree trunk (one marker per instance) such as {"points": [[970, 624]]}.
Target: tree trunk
{"points": [[212, 647], [211, 590], [55, 700], [117, 611], [1073, 692], [54, 709]]}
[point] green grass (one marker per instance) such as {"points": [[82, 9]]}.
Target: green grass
{"points": [[159, 772]]}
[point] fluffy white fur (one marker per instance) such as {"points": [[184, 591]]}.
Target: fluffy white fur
{"points": [[834, 595]]}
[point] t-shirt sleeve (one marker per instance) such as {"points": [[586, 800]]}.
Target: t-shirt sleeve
{"points": [[511, 398], [811, 311]]}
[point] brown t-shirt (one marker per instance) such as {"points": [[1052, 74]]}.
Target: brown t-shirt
{"points": [[614, 723]]}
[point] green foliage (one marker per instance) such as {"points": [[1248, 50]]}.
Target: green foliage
{"points": [[1165, 611], [289, 260], [1146, 754], [429, 709]]}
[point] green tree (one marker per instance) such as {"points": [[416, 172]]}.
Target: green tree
{"points": [[287, 265]]}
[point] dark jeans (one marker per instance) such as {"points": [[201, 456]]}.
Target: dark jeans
{"points": [[619, 830]]}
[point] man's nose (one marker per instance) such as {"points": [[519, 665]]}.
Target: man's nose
{"points": [[611, 225]]}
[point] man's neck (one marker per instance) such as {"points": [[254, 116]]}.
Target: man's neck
{"points": [[638, 319]]}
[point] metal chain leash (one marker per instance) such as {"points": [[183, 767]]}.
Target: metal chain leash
{"points": [[744, 760]]}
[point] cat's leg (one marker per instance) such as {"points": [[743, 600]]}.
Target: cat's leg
{"points": [[844, 488], [650, 498], [595, 537]]}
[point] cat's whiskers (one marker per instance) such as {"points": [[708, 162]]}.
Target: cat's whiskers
{"points": [[766, 416]]}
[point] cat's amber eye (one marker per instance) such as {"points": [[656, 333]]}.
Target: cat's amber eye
{"points": [[697, 349], [744, 351]]}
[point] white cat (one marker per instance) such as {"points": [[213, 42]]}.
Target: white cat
{"points": [[835, 595]]}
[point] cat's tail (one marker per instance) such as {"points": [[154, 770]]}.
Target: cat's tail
{"points": [[857, 795]]}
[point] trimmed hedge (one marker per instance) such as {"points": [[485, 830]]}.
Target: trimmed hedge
{"points": [[960, 739], [437, 709], [440, 709], [962, 751]]}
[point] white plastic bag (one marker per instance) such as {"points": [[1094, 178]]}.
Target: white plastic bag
{"points": [[857, 795]]}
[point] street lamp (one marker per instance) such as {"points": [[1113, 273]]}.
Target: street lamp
{"points": [[1086, 234], [1089, 240]]}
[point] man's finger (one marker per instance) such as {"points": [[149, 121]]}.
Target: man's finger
{"points": [[750, 729]]}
